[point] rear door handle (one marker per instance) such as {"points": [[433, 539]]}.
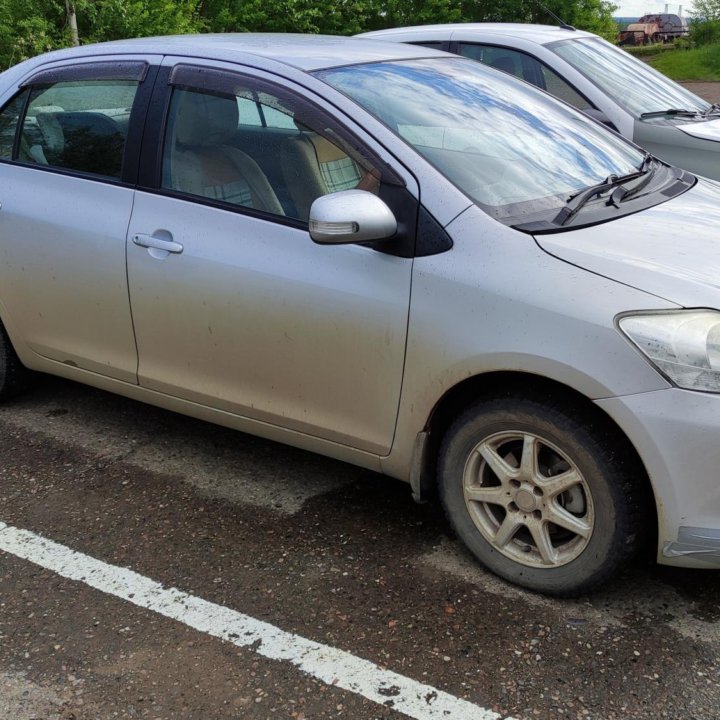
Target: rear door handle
{"points": [[150, 241]]}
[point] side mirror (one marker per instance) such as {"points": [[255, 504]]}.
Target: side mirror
{"points": [[350, 216], [600, 116]]}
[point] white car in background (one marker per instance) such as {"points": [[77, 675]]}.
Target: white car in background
{"points": [[596, 77]]}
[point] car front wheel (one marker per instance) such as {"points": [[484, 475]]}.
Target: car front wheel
{"points": [[543, 494]]}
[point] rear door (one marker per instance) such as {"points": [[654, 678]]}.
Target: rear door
{"points": [[234, 306], [68, 144]]}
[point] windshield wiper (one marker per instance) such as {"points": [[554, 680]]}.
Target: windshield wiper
{"points": [[714, 109], [576, 202], [623, 193], [670, 111]]}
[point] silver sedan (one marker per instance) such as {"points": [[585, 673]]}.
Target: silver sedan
{"points": [[389, 255]]}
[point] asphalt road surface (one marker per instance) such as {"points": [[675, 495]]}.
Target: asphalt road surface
{"points": [[708, 90], [317, 550]]}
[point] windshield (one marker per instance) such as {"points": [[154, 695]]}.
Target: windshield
{"points": [[635, 86], [510, 147]]}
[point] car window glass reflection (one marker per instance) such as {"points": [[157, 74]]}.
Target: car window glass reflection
{"points": [[505, 154], [634, 86], [556, 86], [525, 67]]}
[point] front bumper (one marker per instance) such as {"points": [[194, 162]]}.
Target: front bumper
{"points": [[677, 435]]}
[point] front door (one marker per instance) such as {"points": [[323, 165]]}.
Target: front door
{"points": [[234, 306]]}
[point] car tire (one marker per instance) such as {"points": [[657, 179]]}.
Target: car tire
{"points": [[543, 494], [14, 377]]}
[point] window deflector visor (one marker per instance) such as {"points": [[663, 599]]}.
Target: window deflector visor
{"points": [[121, 70]]}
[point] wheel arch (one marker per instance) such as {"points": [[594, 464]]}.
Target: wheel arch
{"points": [[506, 384]]}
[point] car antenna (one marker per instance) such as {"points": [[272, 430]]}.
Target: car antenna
{"points": [[560, 22]]}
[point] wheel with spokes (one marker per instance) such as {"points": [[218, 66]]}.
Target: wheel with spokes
{"points": [[540, 495]]}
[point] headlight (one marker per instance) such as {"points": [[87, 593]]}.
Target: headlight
{"points": [[683, 345]]}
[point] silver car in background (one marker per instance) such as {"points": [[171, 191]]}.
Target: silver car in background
{"points": [[392, 256], [594, 76]]}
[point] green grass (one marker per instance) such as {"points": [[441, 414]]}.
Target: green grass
{"points": [[702, 64], [645, 50]]}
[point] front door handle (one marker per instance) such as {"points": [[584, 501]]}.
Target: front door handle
{"points": [[156, 243]]}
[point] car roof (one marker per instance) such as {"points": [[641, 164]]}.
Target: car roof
{"points": [[306, 52], [541, 34]]}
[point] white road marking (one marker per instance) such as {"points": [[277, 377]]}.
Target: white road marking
{"points": [[328, 664]]}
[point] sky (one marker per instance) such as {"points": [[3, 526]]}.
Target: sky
{"points": [[637, 8]]}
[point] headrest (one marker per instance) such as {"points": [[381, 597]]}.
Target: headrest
{"points": [[204, 119], [325, 150]]}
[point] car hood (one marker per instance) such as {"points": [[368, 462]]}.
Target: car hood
{"points": [[671, 250], [709, 130]]}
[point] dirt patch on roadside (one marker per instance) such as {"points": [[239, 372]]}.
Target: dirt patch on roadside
{"points": [[710, 91], [21, 699]]}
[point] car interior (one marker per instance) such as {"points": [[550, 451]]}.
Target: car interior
{"points": [[201, 160], [281, 170]]}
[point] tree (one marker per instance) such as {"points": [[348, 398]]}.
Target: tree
{"points": [[100, 20], [592, 15], [72, 22], [706, 10], [29, 27], [705, 28]]}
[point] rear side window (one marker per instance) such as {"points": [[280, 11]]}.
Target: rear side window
{"points": [[79, 125]]}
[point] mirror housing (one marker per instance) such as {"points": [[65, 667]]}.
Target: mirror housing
{"points": [[350, 216]]}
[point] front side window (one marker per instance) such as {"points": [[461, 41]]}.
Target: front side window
{"points": [[79, 125], [525, 67], [558, 87], [256, 150], [252, 111], [635, 86]]}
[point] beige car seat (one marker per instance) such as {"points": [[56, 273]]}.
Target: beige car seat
{"points": [[201, 163], [313, 167]]}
